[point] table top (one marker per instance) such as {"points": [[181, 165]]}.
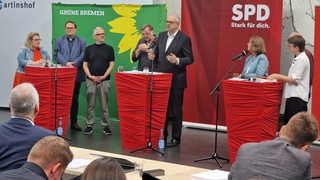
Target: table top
{"points": [[172, 170]]}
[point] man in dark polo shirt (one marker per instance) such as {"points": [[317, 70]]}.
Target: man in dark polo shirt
{"points": [[98, 64]]}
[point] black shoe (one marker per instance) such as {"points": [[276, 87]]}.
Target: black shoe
{"points": [[173, 143], [107, 131], [75, 127], [87, 131]]}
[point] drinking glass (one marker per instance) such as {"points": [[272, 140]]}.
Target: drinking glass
{"points": [[236, 75], [138, 167], [134, 68], [120, 69], [145, 70]]}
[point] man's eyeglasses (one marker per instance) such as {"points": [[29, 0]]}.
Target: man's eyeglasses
{"points": [[171, 22], [70, 28], [146, 34], [100, 34]]}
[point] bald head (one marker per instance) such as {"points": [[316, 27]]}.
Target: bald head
{"points": [[24, 100]]}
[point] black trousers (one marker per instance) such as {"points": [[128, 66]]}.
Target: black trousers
{"points": [[293, 106], [174, 113], [75, 103]]}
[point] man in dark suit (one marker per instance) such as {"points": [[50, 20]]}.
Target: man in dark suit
{"points": [[48, 159], [285, 157], [19, 134], [173, 54], [69, 51]]}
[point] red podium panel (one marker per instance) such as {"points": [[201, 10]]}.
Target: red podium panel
{"points": [[133, 96], [46, 81], [252, 112]]}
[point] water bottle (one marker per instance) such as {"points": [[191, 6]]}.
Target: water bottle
{"points": [[60, 128], [161, 140]]}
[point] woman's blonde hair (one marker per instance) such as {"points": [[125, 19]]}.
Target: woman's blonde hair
{"points": [[29, 38], [258, 45]]}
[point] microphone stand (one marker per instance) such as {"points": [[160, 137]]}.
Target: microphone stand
{"points": [[55, 99], [215, 155], [149, 143]]}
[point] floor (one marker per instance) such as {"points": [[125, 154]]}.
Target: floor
{"points": [[195, 144]]}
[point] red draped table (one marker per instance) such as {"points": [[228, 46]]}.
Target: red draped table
{"points": [[252, 112], [52, 103], [133, 96]]}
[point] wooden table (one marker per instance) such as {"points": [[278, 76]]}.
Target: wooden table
{"points": [[172, 171]]}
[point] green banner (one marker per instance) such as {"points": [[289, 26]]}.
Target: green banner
{"points": [[121, 23]]}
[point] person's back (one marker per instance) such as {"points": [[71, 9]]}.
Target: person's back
{"points": [[271, 160], [19, 134], [48, 159], [285, 157], [17, 138]]}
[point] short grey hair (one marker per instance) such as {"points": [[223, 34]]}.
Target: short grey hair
{"points": [[23, 99], [178, 19], [96, 29]]}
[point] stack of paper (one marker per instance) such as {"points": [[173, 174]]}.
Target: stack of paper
{"points": [[212, 175], [79, 163]]}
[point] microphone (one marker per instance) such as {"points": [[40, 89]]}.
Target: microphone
{"points": [[151, 46], [55, 54], [153, 43], [243, 53]]}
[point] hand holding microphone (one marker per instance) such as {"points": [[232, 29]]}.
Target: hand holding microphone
{"points": [[152, 45]]}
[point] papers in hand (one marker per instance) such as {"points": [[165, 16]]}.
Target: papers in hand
{"points": [[212, 175], [78, 163]]}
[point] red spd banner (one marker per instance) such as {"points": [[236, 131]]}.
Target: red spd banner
{"points": [[316, 77], [219, 31]]}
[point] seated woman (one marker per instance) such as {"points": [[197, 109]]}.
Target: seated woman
{"points": [[103, 168], [257, 63]]}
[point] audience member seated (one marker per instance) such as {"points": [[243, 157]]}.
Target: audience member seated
{"points": [[104, 168], [48, 159], [285, 157], [19, 134]]}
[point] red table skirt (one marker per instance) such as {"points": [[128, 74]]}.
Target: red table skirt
{"points": [[46, 81], [133, 96], [252, 112]]}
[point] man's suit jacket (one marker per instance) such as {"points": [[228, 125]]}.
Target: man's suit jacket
{"points": [[63, 55], [17, 136], [275, 159], [29, 171], [180, 46]]}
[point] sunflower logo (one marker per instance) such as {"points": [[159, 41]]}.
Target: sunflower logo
{"points": [[126, 25]]}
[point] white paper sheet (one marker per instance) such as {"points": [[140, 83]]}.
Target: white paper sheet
{"points": [[78, 163], [212, 175]]}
